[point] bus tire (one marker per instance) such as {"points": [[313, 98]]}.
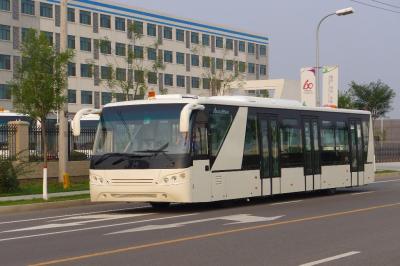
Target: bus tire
{"points": [[160, 205]]}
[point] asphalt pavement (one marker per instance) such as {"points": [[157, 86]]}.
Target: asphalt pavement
{"points": [[358, 226]]}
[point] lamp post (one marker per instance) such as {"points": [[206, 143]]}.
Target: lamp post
{"points": [[340, 12]]}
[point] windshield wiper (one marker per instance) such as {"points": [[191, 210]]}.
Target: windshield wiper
{"points": [[118, 154]]}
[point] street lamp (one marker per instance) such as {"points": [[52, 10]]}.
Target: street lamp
{"points": [[340, 12]]}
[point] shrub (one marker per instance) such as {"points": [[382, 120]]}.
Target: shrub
{"points": [[78, 156], [8, 177]]}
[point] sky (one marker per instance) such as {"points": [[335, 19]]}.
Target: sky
{"points": [[365, 45]]}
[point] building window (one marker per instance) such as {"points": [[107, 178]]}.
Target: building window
{"points": [[242, 67], [251, 68], [120, 74], [138, 52], [24, 32], [168, 33], [106, 72], [105, 21], [206, 83], [152, 78], [120, 24], [71, 69], [151, 30], [180, 58], [106, 98], [205, 40], [86, 70], [194, 37], [86, 44], [291, 143], [263, 70], [138, 27], [229, 65], [195, 60], [151, 54], [28, 7], [105, 47], [4, 32], [180, 35], [219, 63], [219, 42], [263, 50], [242, 46], [229, 44], [71, 14], [251, 48], [139, 76], [206, 61], [180, 81], [195, 82], [5, 92], [168, 56], [5, 5], [71, 96], [168, 80], [71, 41], [49, 36], [85, 17], [86, 97], [46, 10], [120, 49]]}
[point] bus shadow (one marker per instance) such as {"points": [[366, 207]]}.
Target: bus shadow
{"points": [[232, 204]]}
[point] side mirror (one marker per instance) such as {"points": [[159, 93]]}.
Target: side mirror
{"points": [[76, 122], [185, 115]]}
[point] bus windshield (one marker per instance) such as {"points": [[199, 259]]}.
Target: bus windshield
{"points": [[146, 130]]}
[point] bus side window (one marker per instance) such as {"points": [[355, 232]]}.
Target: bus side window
{"points": [[199, 137]]}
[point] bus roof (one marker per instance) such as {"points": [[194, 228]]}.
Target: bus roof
{"points": [[246, 101]]}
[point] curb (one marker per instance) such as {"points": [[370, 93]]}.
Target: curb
{"points": [[45, 206]]}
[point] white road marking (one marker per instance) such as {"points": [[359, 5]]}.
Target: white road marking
{"points": [[340, 256], [86, 219], [386, 181], [69, 215], [285, 202], [95, 227], [237, 219], [362, 193]]}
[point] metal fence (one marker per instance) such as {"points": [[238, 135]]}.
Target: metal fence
{"points": [[387, 151], [81, 147], [8, 141], [36, 148]]}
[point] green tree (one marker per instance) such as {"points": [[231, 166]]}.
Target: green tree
{"points": [[376, 97], [345, 100], [38, 87]]}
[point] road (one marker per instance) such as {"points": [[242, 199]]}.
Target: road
{"points": [[352, 227]]}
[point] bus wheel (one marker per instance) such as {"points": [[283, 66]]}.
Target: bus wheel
{"points": [[330, 191], [160, 205]]}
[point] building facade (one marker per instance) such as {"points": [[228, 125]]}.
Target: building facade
{"points": [[99, 32]]}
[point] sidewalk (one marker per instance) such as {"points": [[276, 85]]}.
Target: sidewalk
{"points": [[395, 166], [39, 196]]}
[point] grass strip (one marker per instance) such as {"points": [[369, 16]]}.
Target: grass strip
{"points": [[55, 199]]}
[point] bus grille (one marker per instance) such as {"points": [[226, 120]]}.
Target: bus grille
{"points": [[132, 181]]}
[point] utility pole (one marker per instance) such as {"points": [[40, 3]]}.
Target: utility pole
{"points": [[63, 121]]}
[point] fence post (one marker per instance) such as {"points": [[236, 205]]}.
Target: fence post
{"points": [[21, 140]]}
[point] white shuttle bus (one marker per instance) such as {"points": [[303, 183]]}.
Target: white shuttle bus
{"points": [[187, 149]]}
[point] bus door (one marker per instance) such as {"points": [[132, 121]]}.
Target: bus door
{"points": [[312, 165], [269, 154], [356, 152]]}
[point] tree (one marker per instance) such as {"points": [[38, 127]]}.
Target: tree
{"points": [[215, 72], [38, 86], [139, 72], [376, 97], [345, 100]]}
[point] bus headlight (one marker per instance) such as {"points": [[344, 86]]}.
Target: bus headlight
{"points": [[174, 179], [98, 180]]}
